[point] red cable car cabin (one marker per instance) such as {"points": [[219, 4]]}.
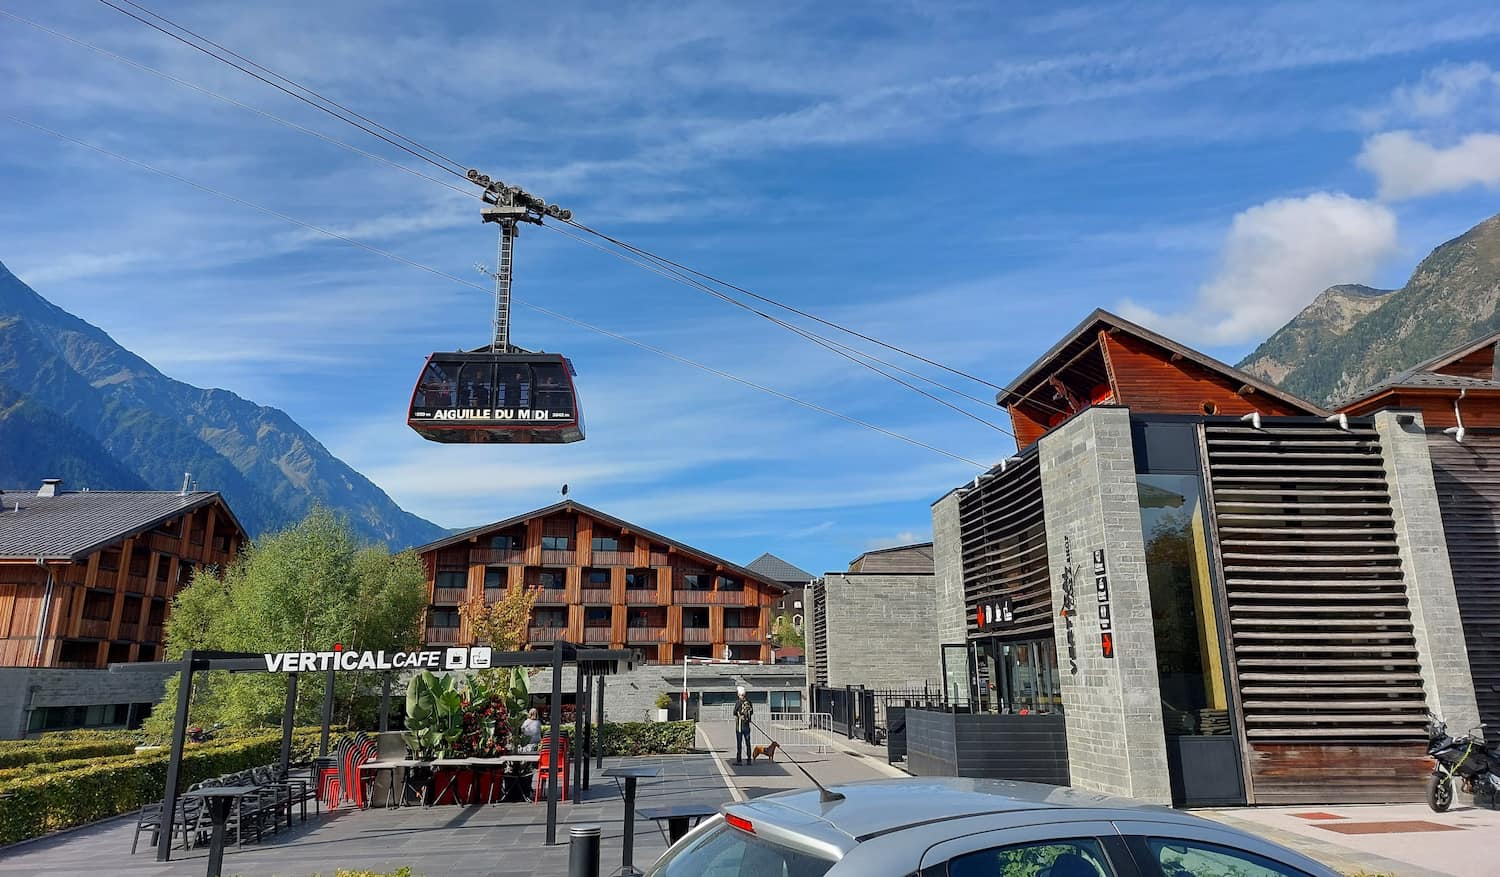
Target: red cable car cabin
{"points": [[483, 397]]}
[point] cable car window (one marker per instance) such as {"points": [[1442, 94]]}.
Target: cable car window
{"points": [[435, 389], [513, 386], [553, 394], [476, 385]]}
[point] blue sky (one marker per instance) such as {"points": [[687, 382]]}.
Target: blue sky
{"points": [[966, 179]]}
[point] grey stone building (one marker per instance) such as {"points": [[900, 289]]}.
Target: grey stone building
{"points": [[873, 625]]}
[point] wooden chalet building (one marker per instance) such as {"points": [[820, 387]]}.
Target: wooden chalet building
{"points": [[1460, 390], [1245, 595], [602, 581], [87, 577]]}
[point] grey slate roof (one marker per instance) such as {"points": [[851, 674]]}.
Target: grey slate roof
{"points": [[901, 560], [773, 567], [74, 524]]}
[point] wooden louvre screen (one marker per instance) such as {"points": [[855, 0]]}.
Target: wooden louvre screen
{"points": [[819, 625], [1468, 484], [1004, 543], [1321, 632]]}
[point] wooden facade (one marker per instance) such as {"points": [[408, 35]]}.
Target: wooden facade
{"points": [[1107, 360], [110, 603], [602, 581]]}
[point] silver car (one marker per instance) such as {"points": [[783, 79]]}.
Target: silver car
{"points": [[946, 827]]}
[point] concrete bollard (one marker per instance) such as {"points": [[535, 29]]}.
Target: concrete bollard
{"points": [[583, 851]]}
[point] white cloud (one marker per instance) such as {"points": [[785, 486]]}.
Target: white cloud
{"points": [[1407, 167], [905, 537], [1276, 257], [1440, 93]]}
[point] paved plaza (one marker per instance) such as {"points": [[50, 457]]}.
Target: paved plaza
{"points": [[501, 840]]}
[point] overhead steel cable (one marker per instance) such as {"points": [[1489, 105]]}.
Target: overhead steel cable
{"points": [[460, 167], [537, 308], [309, 101], [855, 356], [467, 192]]}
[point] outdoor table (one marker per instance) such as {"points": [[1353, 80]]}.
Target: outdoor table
{"points": [[501, 761], [218, 801], [456, 765], [630, 775], [391, 798], [677, 816]]}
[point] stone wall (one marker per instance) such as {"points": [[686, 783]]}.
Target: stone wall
{"points": [[1436, 624], [948, 572], [631, 696], [1112, 704], [23, 689], [882, 630]]}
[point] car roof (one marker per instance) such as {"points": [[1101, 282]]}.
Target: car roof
{"points": [[877, 807]]}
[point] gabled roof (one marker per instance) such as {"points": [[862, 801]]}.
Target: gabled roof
{"points": [[773, 567], [1428, 375], [1083, 335], [569, 505], [1444, 359], [915, 559], [74, 524]]}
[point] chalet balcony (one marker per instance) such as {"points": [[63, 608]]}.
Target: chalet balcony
{"points": [[645, 597], [153, 633], [711, 598], [165, 544], [136, 584], [742, 635], [442, 636], [557, 557], [613, 558], [695, 635], [129, 631], [594, 635], [551, 596], [94, 628], [660, 558], [645, 634], [497, 555], [596, 596], [449, 596], [539, 635]]}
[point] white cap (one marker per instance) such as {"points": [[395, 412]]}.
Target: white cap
{"points": [[740, 690]]}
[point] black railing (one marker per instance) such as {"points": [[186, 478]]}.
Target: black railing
{"points": [[863, 713]]}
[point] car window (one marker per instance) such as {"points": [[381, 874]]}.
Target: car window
{"points": [[1053, 858], [1188, 858], [723, 851]]}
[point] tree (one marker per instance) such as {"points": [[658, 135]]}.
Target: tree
{"points": [[306, 588], [786, 635], [502, 624]]}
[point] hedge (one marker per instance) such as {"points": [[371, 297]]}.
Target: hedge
{"points": [[44, 751], [643, 738], [31, 806]]}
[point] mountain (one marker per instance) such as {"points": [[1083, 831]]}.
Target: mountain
{"points": [[76, 405], [1352, 337]]}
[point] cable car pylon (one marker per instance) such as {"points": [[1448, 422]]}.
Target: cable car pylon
{"points": [[500, 394]]}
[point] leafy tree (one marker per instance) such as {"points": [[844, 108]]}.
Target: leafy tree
{"points": [[501, 624], [786, 634], [305, 588]]}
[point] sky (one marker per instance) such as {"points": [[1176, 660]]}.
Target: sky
{"points": [[965, 180]]}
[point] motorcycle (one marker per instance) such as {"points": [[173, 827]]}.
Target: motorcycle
{"points": [[1468, 758]]}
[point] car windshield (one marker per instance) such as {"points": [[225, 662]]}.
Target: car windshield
{"points": [[722, 851]]}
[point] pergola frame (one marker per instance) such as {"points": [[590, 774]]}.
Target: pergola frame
{"points": [[590, 663]]}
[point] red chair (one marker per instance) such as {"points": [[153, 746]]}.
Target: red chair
{"points": [[330, 774], [361, 750], [544, 768]]}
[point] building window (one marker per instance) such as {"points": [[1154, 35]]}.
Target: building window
{"points": [[596, 616], [786, 701], [452, 580], [505, 543], [556, 543], [797, 621], [725, 583], [551, 618], [640, 580], [796, 604], [61, 718], [606, 543], [494, 579], [695, 618], [551, 579], [695, 582], [442, 618], [1019, 678], [598, 578]]}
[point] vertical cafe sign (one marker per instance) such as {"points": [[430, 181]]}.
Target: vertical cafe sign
{"points": [[1104, 611], [1069, 582], [1101, 593]]}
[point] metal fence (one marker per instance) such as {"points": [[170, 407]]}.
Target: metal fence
{"points": [[805, 733], [862, 712]]}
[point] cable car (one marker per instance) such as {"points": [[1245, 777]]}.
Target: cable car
{"points": [[499, 394], [484, 397]]}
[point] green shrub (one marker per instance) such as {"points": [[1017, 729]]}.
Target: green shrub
{"points": [[34, 805], [44, 750], [643, 738]]}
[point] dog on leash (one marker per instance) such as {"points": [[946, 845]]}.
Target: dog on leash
{"points": [[768, 751]]}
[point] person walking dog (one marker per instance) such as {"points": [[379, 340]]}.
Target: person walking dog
{"points": [[744, 711]]}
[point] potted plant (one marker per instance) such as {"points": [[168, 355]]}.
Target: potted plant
{"points": [[434, 716], [663, 707]]}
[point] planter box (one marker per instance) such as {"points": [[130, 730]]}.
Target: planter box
{"points": [[1028, 748]]}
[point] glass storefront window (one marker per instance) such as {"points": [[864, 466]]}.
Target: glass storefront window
{"points": [[1019, 678], [1188, 650]]}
